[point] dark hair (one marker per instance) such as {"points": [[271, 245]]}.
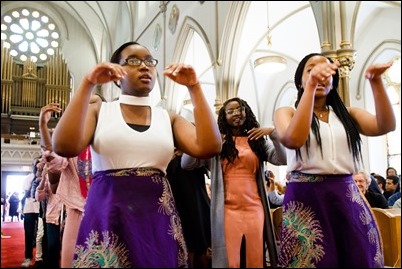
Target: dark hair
{"points": [[35, 166], [116, 56], [229, 150], [335, 101], [267, 176], [30, 192], [380, 180], [395, 179], [391, 168]]}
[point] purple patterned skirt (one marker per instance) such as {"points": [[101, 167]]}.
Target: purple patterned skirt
{"points": [[130, 220], [327, 223]]}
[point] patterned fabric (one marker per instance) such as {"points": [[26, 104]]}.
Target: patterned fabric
{"points": [[85, 170], [130, 220], [338, 231]]}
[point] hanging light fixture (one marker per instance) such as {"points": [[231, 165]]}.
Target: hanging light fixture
{"points": [[270, 63]]}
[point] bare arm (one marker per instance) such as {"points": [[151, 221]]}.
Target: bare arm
{"points": [[293, 126], [44, 117], [76, 127], [45, 139], [202, 140], [384, 119]]}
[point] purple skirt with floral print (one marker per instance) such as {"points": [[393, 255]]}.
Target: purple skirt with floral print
{"points": [[130, 220], [327, 223]]}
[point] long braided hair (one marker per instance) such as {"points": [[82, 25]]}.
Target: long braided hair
{"points": [[335, 101], [229, 150]]}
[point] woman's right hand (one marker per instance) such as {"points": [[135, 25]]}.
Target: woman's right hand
{"points": [[322, 72], [106, 72], [46, 112]]}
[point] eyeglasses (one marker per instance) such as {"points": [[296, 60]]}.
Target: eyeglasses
{"points": [[150, 62], [238, 110]]}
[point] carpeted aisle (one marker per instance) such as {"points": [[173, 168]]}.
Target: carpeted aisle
{"points": [[12, 249]]}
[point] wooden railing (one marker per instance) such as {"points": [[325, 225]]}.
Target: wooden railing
{"points": [[389, 223]]}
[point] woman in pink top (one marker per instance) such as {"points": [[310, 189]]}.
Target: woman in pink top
{"points": [[73, 176], [53, 216]]}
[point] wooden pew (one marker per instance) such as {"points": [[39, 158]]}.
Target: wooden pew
{"points": [[389, 222]]}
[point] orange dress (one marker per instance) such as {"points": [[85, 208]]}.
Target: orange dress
{"points": [[244, 213]]}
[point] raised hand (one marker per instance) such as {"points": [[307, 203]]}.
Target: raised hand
{"points": [[375, 71], [322, 72], [106, 72], [46, 112], [182, 74]]}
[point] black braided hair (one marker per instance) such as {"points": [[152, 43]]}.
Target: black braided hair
{"points": [[229, 150], [335, 101]]}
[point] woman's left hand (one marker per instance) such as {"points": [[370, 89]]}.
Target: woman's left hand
{"points": [[182, 74], [257, 133], [375, 71]]}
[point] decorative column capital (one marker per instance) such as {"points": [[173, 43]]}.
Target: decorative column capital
{"points": [[218, 104], [346, 58], [163, 6]]}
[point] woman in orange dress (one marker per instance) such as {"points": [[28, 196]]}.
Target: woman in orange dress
{"points": [[239, 206]]}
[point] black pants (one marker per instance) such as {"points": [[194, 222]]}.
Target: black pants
{"points": [[30, 224], [53, 245]]}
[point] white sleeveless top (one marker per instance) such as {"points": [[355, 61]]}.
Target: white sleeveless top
{"points": [[116, 145], [336, 157]]}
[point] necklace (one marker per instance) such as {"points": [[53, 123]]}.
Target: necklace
{"points": [[321, 114], [135, 100]]}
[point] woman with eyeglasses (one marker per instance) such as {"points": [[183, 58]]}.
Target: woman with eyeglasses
{"points": [[240, 210], [130, 217]]}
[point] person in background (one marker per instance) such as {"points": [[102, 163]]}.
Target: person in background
{"points": [[31, 214], [381, 182], [239, 206], [275, 191], [393, 198], [41, 238], [391, 186], [363, 180], [130, 212], [397, 203], [46, 190], [194, 207], [5, 206], [391, 172], [73, 176], [14, 202], [323, 142], [396, 195]]}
